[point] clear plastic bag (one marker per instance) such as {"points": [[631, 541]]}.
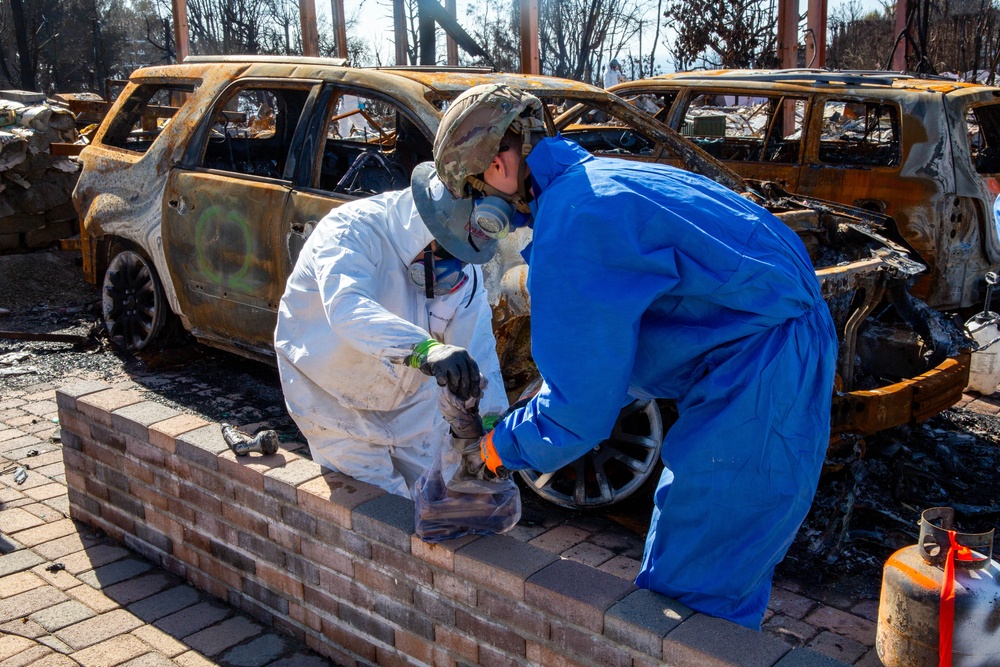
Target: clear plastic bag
{"points": [[451, 503]]}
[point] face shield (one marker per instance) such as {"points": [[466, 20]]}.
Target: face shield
{"points": [[450, 220]]}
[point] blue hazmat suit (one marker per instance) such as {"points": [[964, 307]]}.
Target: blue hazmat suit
{"points": [[654, 282]]}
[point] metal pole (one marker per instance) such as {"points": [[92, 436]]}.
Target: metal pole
{"points": [[788, 24], [530, 62], [903, 47], [399, 30], [427, 30], [181, 29], [816, 47], [310, 34], [451, 43], [339, 27]]}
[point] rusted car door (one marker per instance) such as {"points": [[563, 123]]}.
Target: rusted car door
{"points": [[854, 151], [869, 152], [359, 142], [758, 135], [223, 209], [974, 119]]}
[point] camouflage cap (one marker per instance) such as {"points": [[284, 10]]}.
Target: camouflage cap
{"points": [[469, 135]]}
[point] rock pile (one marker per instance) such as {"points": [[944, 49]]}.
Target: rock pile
{"points": [[35, 185]]}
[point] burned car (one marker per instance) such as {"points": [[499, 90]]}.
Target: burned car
{"points": [[205, 178], [926, 152]]}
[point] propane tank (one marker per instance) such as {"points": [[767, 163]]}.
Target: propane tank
{"points": [[984, 370], [909, 613]]}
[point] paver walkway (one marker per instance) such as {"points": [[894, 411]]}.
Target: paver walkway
{"points": [[71, 596]]}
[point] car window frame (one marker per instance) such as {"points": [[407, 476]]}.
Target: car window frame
{"points": [[197, 144], [686, 94], [323, 110], [819, 101], [963, 135], [196, 83]]}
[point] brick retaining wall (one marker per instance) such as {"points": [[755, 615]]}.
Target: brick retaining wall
{"points": [[335, 562]]}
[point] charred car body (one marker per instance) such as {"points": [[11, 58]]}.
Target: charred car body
{"points": [[926, 152], [205, 178]]}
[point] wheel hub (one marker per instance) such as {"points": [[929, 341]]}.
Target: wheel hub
{"points": [[133, 301], [611, 471]]}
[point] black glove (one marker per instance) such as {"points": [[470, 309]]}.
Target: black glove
{"points": [[462, 416], [451, 366]]}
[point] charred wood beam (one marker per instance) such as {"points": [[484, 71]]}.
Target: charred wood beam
{"points": [[431, 11], [426, 32], [399, 31], [23, 51], [450, 44]]}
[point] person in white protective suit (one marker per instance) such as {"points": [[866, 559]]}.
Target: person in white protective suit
{"points": [[613, 74], [358, 335], [347, 125]]}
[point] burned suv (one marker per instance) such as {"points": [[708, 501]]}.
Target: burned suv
{"points": [[924, 151], [205, 178]]}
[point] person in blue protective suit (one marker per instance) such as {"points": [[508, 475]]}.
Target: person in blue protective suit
{"points": [[652, 282]]}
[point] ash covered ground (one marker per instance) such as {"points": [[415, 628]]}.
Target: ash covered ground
{"points": [[45, 292], [871, 508], [861, 514]]}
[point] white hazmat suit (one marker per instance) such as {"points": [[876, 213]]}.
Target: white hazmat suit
{"points": [[613, 76], [345, 126], [349, 317]]}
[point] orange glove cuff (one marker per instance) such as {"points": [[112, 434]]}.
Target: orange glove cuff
{"points": [[488, 453]]}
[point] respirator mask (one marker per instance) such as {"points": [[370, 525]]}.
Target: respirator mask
{"points": [[437, 272], [496, 217], [496, 213]]}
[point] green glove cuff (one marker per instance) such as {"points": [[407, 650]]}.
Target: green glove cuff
{"points": [[489, 421], [419, 354]]}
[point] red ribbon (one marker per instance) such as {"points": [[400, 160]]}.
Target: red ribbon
{"points": [[946, 624]]}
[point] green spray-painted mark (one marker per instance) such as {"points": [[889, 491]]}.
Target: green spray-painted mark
{"points": [[206, 234]]}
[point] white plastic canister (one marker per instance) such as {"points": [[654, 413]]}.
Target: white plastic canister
{"points": [[984, 371], [909, 609]]}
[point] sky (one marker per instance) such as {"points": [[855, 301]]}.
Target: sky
{"points": [[374, 22]]}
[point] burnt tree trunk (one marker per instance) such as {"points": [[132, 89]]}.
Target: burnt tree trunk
{"points": [[23, 52]]}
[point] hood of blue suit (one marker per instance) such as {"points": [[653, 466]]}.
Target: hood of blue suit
{"points": [[551, 158]]}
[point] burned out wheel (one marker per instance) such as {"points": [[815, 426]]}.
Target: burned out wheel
{"points": [[613, 470], [134, 304]]}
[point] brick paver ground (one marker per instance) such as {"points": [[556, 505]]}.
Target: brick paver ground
{"points": [[71, 596]]}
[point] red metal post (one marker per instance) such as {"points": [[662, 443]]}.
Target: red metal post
{"points": [[788, 28], [530, 63], [339, 27], [816, 43], [310, 34], [180, 29]]}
